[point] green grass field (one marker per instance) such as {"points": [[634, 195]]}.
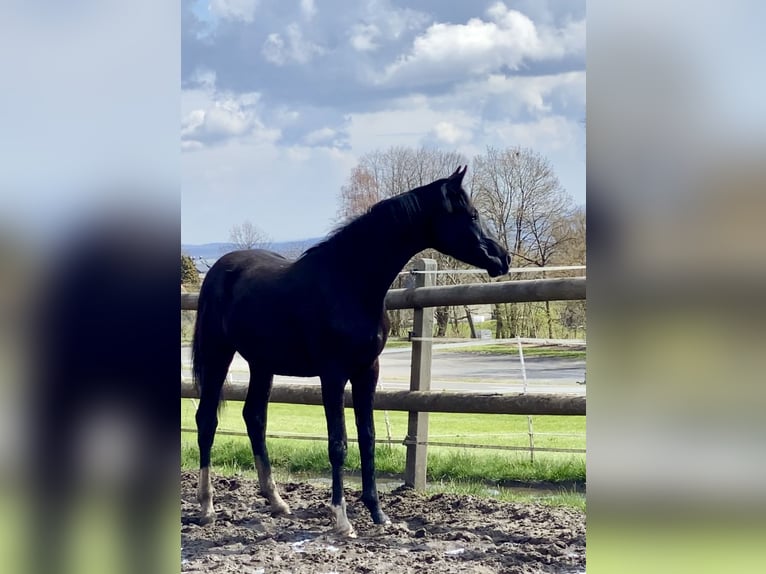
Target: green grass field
{"points": [[485, 466], [396, 342], [513, 349]]}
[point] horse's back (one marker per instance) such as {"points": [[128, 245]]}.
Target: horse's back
{"points": [[245, 289], [248, 260], [254, 265]]}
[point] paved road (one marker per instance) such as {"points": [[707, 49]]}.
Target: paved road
{"points": [[456, 371]]}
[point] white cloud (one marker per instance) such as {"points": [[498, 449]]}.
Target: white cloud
{"points": [[546, 135], [363, 37], [191, 145], [320, 136], [293, 47], [503, 41], [394, 21], [450, 133], [227, 119], [410, 121], [308, 9], [419, 120], [379, 22], [569, 39], [221, 120], [204, 78], [192, 122], [284, 115], [274, 49], [210, 117], [234, 9], [524, 94]]}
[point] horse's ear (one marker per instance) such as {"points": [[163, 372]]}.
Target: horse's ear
{"points": [[450, 189], [458, 175]]}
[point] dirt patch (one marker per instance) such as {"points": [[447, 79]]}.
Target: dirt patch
{"points": [[438, 533]]}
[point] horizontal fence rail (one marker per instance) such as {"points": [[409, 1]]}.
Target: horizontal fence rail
{"points": [[420, 401], [531, 290], [487, 293], [404, 442]]}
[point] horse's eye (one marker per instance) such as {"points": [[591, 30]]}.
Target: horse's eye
{"points": [[475, 216]]}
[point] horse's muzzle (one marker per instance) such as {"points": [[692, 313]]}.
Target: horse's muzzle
{"points": [[499, 260]]}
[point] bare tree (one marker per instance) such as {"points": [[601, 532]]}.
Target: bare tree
{"points": [[521, 198], [572, 315], [248, 236], [383, 174], [572, 246], [360, 193], [546, 219]]}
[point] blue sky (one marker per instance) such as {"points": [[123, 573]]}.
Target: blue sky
{"points": [[280, 99]]}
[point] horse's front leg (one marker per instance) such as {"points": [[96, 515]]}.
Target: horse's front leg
{"points": [[337, 447], [363, 388]]}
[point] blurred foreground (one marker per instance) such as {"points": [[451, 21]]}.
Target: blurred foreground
{"points": [[89, 237], [90, 454], [677, 272]]}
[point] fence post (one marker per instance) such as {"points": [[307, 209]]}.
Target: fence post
{"points": [[420, 380]]}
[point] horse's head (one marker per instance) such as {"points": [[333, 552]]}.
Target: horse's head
{"points": [[457, 230]]}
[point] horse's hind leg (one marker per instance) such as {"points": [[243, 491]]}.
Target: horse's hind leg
{"points": [[213, 375], [254, 413]]}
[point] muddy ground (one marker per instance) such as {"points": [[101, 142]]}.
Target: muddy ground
{"points": [[429, 533]]}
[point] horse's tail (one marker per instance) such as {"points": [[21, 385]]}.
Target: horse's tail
{"points": [[197, 351], [210, 352]]}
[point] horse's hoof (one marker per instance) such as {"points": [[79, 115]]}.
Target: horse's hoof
{"points": [[342, 525], [346, 531], [280, 510], [381, 518], [206, 519]]}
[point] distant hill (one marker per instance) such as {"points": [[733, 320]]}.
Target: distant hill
{"points": [[205, 251], [209, 252]]}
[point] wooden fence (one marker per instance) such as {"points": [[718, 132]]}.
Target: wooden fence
{"points": [[420, 400]]}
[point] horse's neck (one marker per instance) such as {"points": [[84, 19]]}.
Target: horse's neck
{"points": [[376, 256], [386, 260]]}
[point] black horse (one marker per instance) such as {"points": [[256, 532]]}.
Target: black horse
{"points": [[324, 315]]}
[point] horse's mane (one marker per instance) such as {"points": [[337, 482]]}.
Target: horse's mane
{"points": [[399, 209]]}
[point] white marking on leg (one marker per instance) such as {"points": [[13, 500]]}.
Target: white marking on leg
{"points": [[205, 496], [269, 490], [342, 524]]}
